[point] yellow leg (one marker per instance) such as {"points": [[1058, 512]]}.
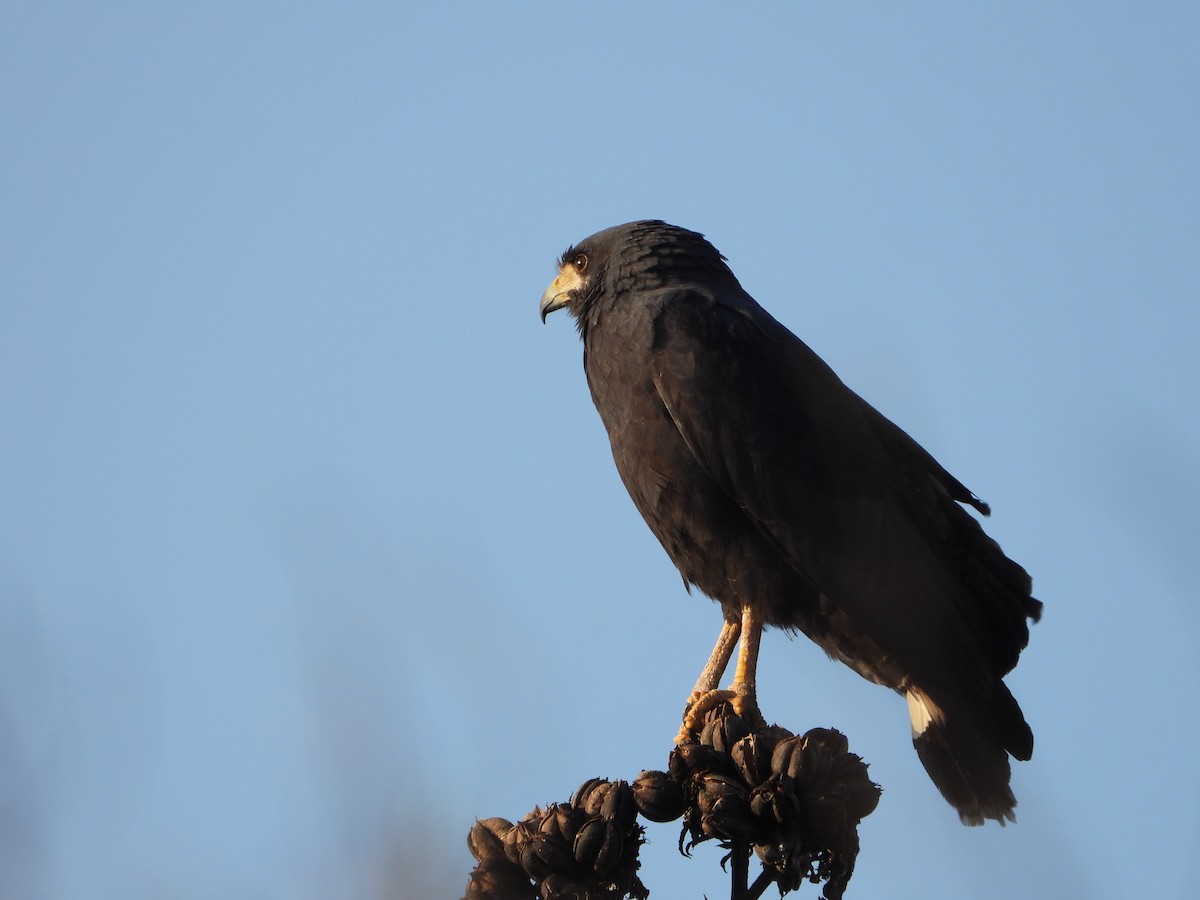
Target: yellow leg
{"points": [[719, 661], [743, 694], [745, 691]]}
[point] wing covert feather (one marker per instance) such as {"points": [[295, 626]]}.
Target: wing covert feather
{"points": [[801, 455]]}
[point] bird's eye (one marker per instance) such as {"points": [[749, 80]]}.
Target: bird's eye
{"points": [[580, 262]]}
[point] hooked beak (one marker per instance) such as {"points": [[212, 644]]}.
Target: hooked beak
{"points": [[561, 291]]}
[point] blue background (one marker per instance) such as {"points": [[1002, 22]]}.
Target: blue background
{"points": [[311, 546]]}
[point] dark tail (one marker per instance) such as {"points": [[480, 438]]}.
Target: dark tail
{"points": [[965, 750]]}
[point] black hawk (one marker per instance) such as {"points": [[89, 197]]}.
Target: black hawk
{"points": [[783, 495]]}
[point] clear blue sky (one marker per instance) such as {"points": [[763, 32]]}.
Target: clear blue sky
{"points": [[311, 547]]}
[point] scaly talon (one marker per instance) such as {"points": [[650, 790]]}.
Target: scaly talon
{"points": [[697, 706], [705, 696]]}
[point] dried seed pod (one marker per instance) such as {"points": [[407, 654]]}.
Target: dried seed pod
{"points": [[560, 822], [548, 824], [611, 849], [499, 881], [715, 784], [542, 857], [696, 758], [659, 797], [730, 820], [559, 887], [589, 840], [773, 734], [773, 855], [516, 838], [721, 732], [830, 740], [590, 795], [775, 801], [791, 864], [752, 756], [837, 807], [725, 809], [815, 760], [796, 800], [862, 794], [486, 838], [618, 804], [785, 758]]}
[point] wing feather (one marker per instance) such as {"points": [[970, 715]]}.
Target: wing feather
{"points": [[818, 471]]}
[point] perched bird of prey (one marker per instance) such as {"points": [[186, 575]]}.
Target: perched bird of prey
{"points": [[788, 499]]}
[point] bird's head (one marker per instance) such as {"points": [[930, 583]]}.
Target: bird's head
{"points": [[635, 257], [575, 273]]}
